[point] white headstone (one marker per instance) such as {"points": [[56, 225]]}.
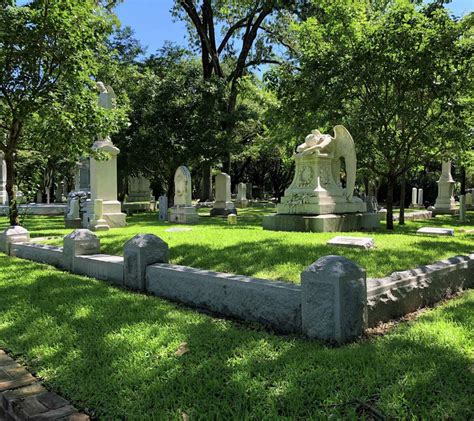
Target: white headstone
{"points": [[183, 212], [420, 197], [223, 204], [414, 196], [469, 200], [241, 200], [182, 187], [3, 181], [445, 200]]}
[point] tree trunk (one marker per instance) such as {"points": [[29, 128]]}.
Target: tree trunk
{"points": [[463, 180], [390, 189], [401, 220], [206, 191]]}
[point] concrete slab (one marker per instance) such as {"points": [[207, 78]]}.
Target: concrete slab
{"points": [[436, 231], [356, 242]]}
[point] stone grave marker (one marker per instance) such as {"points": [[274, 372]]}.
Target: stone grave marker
{"points": [[356, 242], [436, 231]]}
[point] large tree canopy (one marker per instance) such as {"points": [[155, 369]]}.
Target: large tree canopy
{"points": [[396, 76], [49, 53]]}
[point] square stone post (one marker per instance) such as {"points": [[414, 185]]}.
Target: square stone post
{"points": [[79, 243], [139, 252], [334, 299]]}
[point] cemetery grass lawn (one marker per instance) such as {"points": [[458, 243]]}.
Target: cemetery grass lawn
{"points": [[113, 351], [246, 249]]}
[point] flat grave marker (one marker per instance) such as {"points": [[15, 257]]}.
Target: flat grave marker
{"points": [[356, 242]]}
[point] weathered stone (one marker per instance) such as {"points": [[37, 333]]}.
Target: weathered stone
{"points": [[163, 208], [183, 212], [96, 220], [445, 202], [334, 299], [15, 383], [80, 242], [223, 204], [273, 303], [414, 197], [436, 231], [28, 407], [232, 219], [139, 252], [356, 242], [23, 392], [242, 201], [420, 197], [139, 189], [16, 234]]}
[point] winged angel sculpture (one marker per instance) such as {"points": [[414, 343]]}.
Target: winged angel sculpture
{"points": [[107, 100], [337, 147]]}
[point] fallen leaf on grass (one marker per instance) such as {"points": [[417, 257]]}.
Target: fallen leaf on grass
{"points": [[183, 348], [184, 416]]}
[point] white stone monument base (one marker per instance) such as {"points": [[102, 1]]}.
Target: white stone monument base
{"points": [[112, 215], [322, 223], [183, 215], [321, 206], [223, 209]]}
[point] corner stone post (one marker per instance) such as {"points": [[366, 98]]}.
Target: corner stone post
{"points": [[139, 252], [334, 299], [79, 243], [11, 235]]}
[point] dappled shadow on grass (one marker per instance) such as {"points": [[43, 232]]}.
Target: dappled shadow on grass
{"points": [[114, 351]]}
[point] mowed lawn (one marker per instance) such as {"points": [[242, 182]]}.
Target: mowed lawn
{"points": [[246, 249], [113, 352]]}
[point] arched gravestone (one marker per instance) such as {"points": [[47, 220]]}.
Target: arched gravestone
{"points": [[183, 212]]}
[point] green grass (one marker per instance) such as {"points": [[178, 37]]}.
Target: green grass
{"points": [[112, 351], [246, 249]]}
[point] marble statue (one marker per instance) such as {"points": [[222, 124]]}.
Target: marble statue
{"points": [[103, 173], [316, 188]]}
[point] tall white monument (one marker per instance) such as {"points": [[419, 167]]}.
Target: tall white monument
{"points": [[103, 173], [3, 181], [445, 202], [316, 199], [183, 211]]}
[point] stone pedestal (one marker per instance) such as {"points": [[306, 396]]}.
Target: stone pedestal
{"points": [[314, 191], [445, 202], [78, 243], [104, 186], [223, 205], [183, 215], [414, 197], [97, 221], [322, 223], [139, 252], [11, 235], [334, 300]]}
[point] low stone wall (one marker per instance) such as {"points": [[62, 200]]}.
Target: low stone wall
{"points": [[100, 266], [37, 209], [41, 253], [404, 292], [277, 304], [334, 302]]}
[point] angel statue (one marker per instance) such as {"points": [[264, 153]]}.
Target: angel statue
{"points": [[107, 100], [337, 147]]}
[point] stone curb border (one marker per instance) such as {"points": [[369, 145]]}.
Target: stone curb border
{"points": [[335, 301], [23, 397]]}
